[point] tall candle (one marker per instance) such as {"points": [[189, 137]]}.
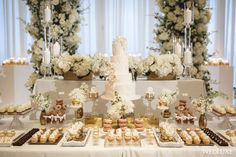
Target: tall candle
{"points": [[187, 16], [177, 50], [56, 49], [188, 59], [47, 13], [47, 57]]}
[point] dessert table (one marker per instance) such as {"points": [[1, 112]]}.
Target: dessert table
{"points": [[193, 87], [98, 150]]}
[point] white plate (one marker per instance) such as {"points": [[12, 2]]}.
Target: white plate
{"points": [[66, 143], [177, 144]]}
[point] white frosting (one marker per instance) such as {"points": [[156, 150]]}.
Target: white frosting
{"points": [[123, 83]]}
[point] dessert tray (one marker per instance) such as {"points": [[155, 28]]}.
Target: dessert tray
{"points": [[25, 137], [115, 143], [195, 138], [9, 137], [80, 143], [116, 138], [176, 143], [50, 136], [214, 137]]}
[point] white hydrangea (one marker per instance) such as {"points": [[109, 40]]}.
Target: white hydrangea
{"points": [[168, 96]]}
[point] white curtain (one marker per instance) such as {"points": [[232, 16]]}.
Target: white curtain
{"points": [[14, 42], [106, 19], [230, 34]]}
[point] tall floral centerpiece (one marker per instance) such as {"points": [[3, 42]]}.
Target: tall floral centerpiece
{"points": [[64, 19], [170, 25], [43, 103], [119, 110]]}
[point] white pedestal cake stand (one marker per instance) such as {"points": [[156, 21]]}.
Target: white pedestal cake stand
{"points": [[136, 97]]}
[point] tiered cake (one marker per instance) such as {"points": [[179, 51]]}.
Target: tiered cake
{"points": [[122, 82]]}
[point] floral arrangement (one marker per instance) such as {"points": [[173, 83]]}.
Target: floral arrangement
{"points": [[79, 64], [64, 25], [203, 104], [168, 96], [100, 65], [79, 95], [120, 108], [170, 25], [42, 102], [82, 66], [162, 65]]}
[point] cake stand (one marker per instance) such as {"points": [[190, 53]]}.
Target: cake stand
{"points": [[16, 123], [132, 98]]}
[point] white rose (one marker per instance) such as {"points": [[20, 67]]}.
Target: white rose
{"points": [[55, 2], [163, 36], [171, 16]]}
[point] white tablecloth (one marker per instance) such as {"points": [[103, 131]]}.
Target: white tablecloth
{"points": [[99, 150], [194, 87]]}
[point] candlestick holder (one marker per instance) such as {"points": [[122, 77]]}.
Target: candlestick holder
{"points": [[149, 97], [94, 97]]}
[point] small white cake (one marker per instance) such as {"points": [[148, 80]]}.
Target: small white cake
{"points": [[123, 83]]}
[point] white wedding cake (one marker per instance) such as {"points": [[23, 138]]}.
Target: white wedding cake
{"points": [[121, 78]]}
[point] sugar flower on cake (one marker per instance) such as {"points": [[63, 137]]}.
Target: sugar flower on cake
{"points": [[120, 108], [100, 65], [167, 97], [78, 96], [82, 65], [43, 102]]}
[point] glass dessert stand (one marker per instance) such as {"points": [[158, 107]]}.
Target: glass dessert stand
{"points": [[16, 123], [226, 122], [78, 113]]}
